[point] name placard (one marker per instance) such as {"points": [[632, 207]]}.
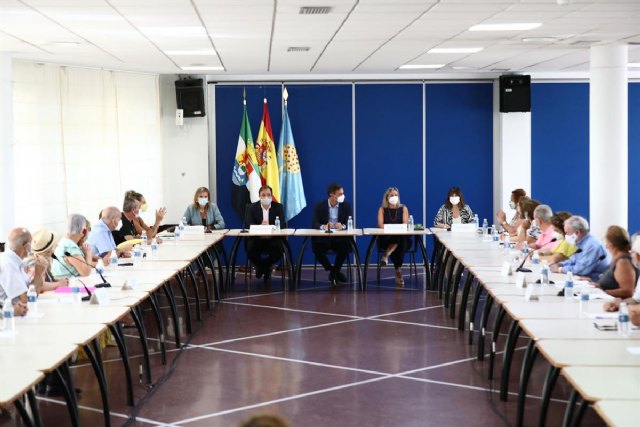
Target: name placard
{"points": [[130, 284], [521, 280], [463, 228], [395, 228], [261, 229], [507, 269], [100, 296]]}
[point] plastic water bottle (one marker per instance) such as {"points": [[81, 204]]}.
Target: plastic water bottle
{"points": [[177, 231], [8, 321], [100, 266], [535, 260], [476, 221], [137, 255], [568, 287], [143, 237], [584, 300], [113, 260], [410, 224], [349, 223], [544, 273], [485, 227], [494, 234], [623, 319], [75, 291], [154, 245], [32, 299], [277, 223]]}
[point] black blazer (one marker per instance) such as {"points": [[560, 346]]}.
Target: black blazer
{"points": [[254, 214], [321, 214]]}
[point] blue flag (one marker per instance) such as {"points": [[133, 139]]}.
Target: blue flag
{"points": [[291, 188]]}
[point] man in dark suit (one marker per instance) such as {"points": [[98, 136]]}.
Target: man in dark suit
{"points": [[264, 212], [332, 213]]}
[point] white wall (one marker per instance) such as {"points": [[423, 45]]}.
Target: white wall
{"points": [[186, 153], [6, 147]]}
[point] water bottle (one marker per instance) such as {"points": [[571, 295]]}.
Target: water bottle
{"points": [[544, 273], [143, 237], [113, 260], [584, 300], [100, 265], [137, 255], [32, 299], [277, 223], [183, 223], [177, 231], [623, 319], [476, 221], [349, 223], [494, 234], [485, 227], [410, 224], [154, 245], [535, 260], [568, 287], [75, 291], [8, 321]]}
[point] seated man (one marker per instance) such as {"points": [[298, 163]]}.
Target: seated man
{"points": [[332, 213], [100, 239], [264, 212], [590, 259], [130, 209], [14, 281]]}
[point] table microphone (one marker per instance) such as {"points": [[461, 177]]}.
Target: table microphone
{"points": [[328, 228], [527, 270], [244, 220], [104, 283], [76, 275]]}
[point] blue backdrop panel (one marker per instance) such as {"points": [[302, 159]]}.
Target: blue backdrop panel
{"points": [[560, 136], [634, 156], [459, 136], [321, 124], [228, 121], [388, 149]]}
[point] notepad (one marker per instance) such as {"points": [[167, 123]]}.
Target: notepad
{"points": [[601, 315]]}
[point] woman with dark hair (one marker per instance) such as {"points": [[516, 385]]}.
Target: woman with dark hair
{"points": [[453, 211], [512, 226], [203, 211], [528, 231], [619, 280]]}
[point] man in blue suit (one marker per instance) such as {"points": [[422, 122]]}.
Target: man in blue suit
{"points": [[333, 214]]}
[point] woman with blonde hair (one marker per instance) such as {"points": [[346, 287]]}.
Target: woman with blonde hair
{"points": [[393, 212], [203, 211]]}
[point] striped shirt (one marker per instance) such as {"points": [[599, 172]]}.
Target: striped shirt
{"points": [[445, 216]]}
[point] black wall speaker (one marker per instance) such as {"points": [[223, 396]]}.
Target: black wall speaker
{"points": [[190, 97], [515, 93]]}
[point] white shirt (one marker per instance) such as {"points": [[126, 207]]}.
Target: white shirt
{"points": [[265, 213], [14, 280]]}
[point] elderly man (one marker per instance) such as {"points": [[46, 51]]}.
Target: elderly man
{"points": [[591, 258], [547, 240], [130, 209], [101, 239], [14, 281]]}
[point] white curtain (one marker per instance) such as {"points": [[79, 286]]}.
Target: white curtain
{"points": [[82, 138]]}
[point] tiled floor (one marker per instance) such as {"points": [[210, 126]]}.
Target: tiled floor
{"points": [[318, 357]]}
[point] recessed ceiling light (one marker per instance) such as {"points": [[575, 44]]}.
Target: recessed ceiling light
{"points": [[455, 50], [524, 26], [202, 68], [65, 44], [200, 52], [539, 39], [420, 66], [174, 31], [584, 42], [633, 65], [459, 67]]}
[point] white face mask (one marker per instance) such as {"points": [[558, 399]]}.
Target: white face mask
{"points": [[341, 199], [266, 201], [394, 200], [202, 201], [512, 204], [454, 200], [571, 239]]}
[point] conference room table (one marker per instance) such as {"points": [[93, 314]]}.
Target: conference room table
{"points": [[560, 329], [417, 235]]}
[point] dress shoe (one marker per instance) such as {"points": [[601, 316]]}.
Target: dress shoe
{"points": [[340, 277], [259, 272], [332, 278]]}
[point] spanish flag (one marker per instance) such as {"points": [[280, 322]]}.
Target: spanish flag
{"points": [[266, 153]]}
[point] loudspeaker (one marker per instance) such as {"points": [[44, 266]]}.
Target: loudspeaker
{"points": [[190, 97], [515, 93]]}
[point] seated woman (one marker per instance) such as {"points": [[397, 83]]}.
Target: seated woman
{"points": [[563, 250], [43, 244], [74, 243], [528, 231], [392, 212], [620, 279], [203, 211], [138, 222], [512, 226], [635, 299], [453, 211]]}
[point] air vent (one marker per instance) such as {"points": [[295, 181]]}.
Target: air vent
{"points": [[584, 42], [315, 10], [633, 43], [501, 70], [298, 49]]}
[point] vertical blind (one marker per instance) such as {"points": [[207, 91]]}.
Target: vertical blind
{"points": [[82, 137]]}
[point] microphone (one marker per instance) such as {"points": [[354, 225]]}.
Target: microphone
{"points": [[244, 219], [104, 283], [328, 228], [77, 276], [527, 270], [576, 252]]}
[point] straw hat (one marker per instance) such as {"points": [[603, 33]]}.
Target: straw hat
{"points": [[44, 240]]}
